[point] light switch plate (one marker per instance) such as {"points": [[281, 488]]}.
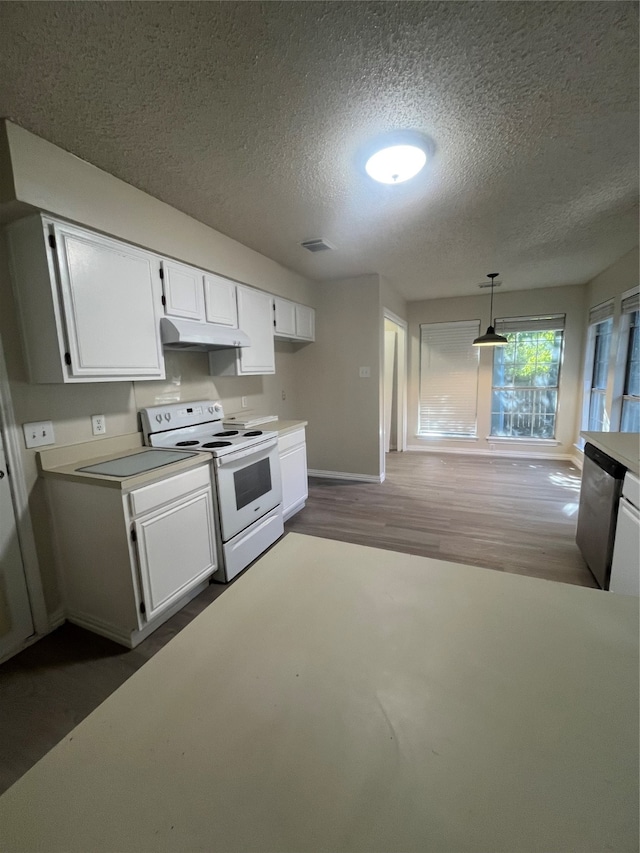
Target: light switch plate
{"points": [[38, 433]]}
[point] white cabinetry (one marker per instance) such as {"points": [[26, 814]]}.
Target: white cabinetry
{"points": [[89, 306], [183, 293], [293, 322], [220, 301], [293, 468], [255, 309], [192, 294], [128, 561], [625, 566]]}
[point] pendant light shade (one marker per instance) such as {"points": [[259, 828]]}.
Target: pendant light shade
{"points": [[490, 337]]}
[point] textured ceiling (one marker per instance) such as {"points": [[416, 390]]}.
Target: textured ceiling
{"points": [[250, 117]]}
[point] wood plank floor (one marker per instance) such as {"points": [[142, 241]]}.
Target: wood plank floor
{"points": [[509, 515], [514, 515]]}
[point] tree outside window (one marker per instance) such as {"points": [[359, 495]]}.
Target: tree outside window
{"points": [[524, 399]]}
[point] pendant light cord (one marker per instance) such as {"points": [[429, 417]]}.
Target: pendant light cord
{"points": [[492, 276]]}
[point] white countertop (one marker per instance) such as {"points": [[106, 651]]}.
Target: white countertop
{"points": [[283, 427], [621, 446], [343, 698], [63, 462]]}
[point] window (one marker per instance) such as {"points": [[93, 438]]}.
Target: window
{"points": [[448, 379], [526, 372], [595, 416], [630, 421], [602, 344]]}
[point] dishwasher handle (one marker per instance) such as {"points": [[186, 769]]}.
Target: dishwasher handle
{"points": [[609, 466]]}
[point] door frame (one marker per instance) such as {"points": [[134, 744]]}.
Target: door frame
{"points": [[401, 384], [11, 438]]}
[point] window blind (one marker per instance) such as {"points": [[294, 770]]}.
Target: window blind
{"points": [[548, 323], [631, 302], [600, 313], [448, 379]]}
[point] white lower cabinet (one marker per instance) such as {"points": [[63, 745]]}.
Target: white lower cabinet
{"points": [[293, 468], [130, 560]]}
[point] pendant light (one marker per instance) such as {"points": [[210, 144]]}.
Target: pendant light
{"points": [[490, 338]]}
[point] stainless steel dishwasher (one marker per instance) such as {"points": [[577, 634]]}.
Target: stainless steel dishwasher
{"points": [[602, 480]]}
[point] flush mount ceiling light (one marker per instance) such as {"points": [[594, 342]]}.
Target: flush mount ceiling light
{"points": [[397, 157], [490, 338], [396, 164]]}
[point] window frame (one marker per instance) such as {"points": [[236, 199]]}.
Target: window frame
{"points": [[633, 323], [470, 329], [589, 388], [514, 326], [620, 372]]}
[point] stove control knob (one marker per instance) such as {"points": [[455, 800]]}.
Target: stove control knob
{"points": [[210, 409], [159, 418], [217, 408], [167, 416]]}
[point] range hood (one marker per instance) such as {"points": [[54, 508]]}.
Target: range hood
{"points": [[190, 335]]}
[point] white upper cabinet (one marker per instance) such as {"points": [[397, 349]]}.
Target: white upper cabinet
{"points": [[293, 322], [89, 306], [183, 293], [255, 317], [285, 317], [220, 301], [305, 323]]}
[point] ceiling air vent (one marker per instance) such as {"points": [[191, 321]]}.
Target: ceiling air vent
{"points": [[318, 245]]}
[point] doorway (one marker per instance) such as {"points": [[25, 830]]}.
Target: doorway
{"points": [[394, 430], [16, 623], [23, 615]]}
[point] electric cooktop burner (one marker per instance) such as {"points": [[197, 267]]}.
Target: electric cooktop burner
{"points": [[218, 443], [228, 432], [186, 443], [254, 432]]}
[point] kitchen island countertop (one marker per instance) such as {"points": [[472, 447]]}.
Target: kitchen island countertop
{"points": [[372, 701], [624, 447]]}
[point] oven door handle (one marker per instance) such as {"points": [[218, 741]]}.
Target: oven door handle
{"points": [[254, 450]]}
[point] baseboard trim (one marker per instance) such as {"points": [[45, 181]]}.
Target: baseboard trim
{"points": [[56, 619], [97, 626], [510, 454], [342, 475]]}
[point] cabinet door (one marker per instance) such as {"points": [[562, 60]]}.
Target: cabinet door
{"points": [[111, 299], [220, 301], [176, 550], [255, 318], [183, 291], [295, 488], [285, 316], [305, 322]]}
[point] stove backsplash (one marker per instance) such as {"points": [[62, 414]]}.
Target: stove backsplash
{"points": [[188, 379]]}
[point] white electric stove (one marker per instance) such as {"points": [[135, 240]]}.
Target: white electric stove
{"points": [[246, 475]]}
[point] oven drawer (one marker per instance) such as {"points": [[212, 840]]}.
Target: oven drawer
{"points": [[148, 497]]}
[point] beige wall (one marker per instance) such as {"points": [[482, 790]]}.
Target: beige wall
{"points": [[53, 180], [555, 300], [610, 284], [343, 410]]}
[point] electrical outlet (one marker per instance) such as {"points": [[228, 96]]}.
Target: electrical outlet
{"points": [[365, 372], [284, 394], [98, 424], [38, 433], [244, 402]]}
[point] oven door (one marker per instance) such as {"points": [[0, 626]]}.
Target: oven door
{"points": [[248, 486]]}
